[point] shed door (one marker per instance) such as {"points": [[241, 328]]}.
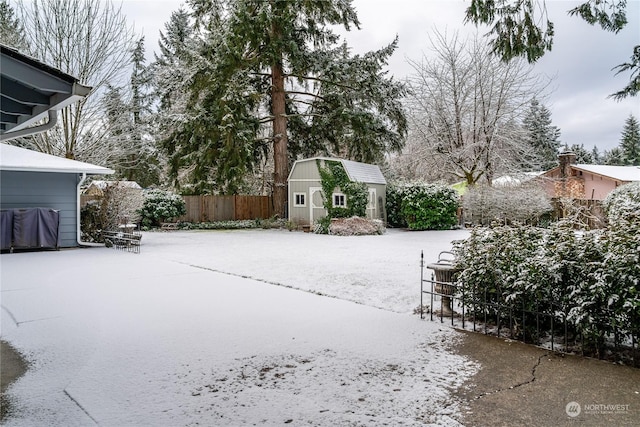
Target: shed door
{"points": [[371, 204], [316, 205]]}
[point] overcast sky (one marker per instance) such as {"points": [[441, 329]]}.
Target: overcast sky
{"points": [[580, 62]]}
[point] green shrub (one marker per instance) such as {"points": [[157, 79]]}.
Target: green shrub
{"points": [[622, 201], [221, 225], [161, 206], [394, 206], [321, 225], [429, 206], [588, 279]]}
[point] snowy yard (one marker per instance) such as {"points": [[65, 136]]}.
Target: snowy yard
{"points": [[181, 334]]}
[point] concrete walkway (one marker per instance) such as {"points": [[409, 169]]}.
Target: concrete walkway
{"points": [[520, 385], [12, 367]]}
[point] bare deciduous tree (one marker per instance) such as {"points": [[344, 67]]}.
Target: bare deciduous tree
{"points": [[91, 40], [465, 110]]}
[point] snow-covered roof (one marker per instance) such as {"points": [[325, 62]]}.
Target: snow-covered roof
{"points": [[20, 159], [516, 178], [101, 184], [363, 172], [621, 173], [357, 171]]}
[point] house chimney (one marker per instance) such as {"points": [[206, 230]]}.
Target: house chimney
{"points": [[566, 159]]}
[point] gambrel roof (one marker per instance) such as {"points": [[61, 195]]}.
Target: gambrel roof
{"points": [[357, 171]]}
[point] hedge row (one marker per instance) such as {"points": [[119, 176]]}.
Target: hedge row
{"points": [[588, 279]]}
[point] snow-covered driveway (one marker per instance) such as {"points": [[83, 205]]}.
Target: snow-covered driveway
{"points": [[164, 338]]}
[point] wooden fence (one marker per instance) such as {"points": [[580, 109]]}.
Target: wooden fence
{"points": [[226, 208]]}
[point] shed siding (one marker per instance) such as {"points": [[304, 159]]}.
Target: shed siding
{"points": [[306, 170], [305, 176], [43, 190]]}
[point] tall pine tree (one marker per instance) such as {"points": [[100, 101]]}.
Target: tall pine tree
{"points": [[630, 141], [542, 136], [273, 80], [171, 68]]}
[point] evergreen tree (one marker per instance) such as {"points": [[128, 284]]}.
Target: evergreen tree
{"points": [[170, 69], [630, 141], [615, 157], [11, 29], [542, 136], [128, 113], [144, 164], [583, 156], [597, 157], [273, 80]]}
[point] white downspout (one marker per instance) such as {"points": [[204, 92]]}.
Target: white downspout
{"points": [[78, 219]]}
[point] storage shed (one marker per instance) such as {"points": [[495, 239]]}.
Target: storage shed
{"points": [[29, 179], [305, 189]]}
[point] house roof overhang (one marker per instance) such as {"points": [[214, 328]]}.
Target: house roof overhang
{"points": [[31, 91], [623, 174], [22, 160]]}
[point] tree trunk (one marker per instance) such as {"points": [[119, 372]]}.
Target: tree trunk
{"points": [[280, 140]]}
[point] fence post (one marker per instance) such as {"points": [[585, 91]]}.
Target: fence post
{"points": [[421, 282]]}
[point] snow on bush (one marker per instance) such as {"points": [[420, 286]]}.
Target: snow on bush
{"points": [[623, 201], [356, 226], [161, 206], [524, 203], [590, 279], [422, 206], [119, 204]]}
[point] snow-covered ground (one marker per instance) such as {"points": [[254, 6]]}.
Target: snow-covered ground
{"points": [[181, 334]]}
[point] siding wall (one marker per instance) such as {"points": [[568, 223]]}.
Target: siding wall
{"points": [[304, 176], [580, 185], [43, 190]]}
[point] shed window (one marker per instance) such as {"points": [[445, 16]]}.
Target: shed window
{"points": [[339, 200], [299, 200]]}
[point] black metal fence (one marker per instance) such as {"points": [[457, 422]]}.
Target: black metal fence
{"points": [[443, 299]]}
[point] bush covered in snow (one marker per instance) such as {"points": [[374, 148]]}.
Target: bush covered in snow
{"points": [[623, 201], [356, 226], [590, 279], [394, 206], [525, 203], [118, 205], [422, 206], [160, 206], [234, 225]]}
